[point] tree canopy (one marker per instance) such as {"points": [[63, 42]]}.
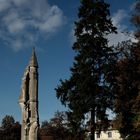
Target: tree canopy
{"points": [[127, 105], [10, 130], [88, 87], [7, 122]]}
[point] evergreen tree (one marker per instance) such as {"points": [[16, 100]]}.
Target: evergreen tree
{"points": [[11, 130], [7, 122], [91, 75]]}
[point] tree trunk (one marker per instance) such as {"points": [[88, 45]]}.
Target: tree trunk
{"points": [[92, 127]]}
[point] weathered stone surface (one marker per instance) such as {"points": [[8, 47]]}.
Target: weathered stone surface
{"points": [[28, 101]]}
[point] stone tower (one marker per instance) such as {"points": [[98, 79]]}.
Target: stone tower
{"points": [[28, 100]]}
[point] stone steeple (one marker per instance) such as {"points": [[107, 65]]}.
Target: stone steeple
{"points": [[28, 100], [33, 61]]}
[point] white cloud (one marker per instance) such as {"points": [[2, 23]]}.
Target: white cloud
{"points": [[72, 37], [18, 45], [118, 17], [21, 20], [14, 23], [133, 6], [19, 2], [52, 21], [4, 4], [117, 20]]}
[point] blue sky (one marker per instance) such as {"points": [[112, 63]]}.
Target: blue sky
{"points": [[48, 26]]}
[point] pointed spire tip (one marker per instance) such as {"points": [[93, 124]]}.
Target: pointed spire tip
{"points": [[33, 61]]}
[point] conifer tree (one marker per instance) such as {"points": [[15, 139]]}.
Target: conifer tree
{"points": [[91, 74], [7, 122]]}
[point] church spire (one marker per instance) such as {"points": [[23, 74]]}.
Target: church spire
{"points": [[33, 61], [29, 101]]}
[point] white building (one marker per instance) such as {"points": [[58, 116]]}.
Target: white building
{"points": [[108, 135], [111, 134]]}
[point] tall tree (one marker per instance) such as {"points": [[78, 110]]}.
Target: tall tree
{"points": [[128, 84], [88, 87], [136, 57], [7, 122], [10, 130], [58, 128]]}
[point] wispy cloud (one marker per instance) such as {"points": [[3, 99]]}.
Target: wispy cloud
{"points": [[118, 20], [22, 22], [72, 37]]}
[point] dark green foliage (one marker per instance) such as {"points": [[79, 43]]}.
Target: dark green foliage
{"points": [[58, 129], [7, 122], [91, 75], [10, 130], [128, 93]]}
